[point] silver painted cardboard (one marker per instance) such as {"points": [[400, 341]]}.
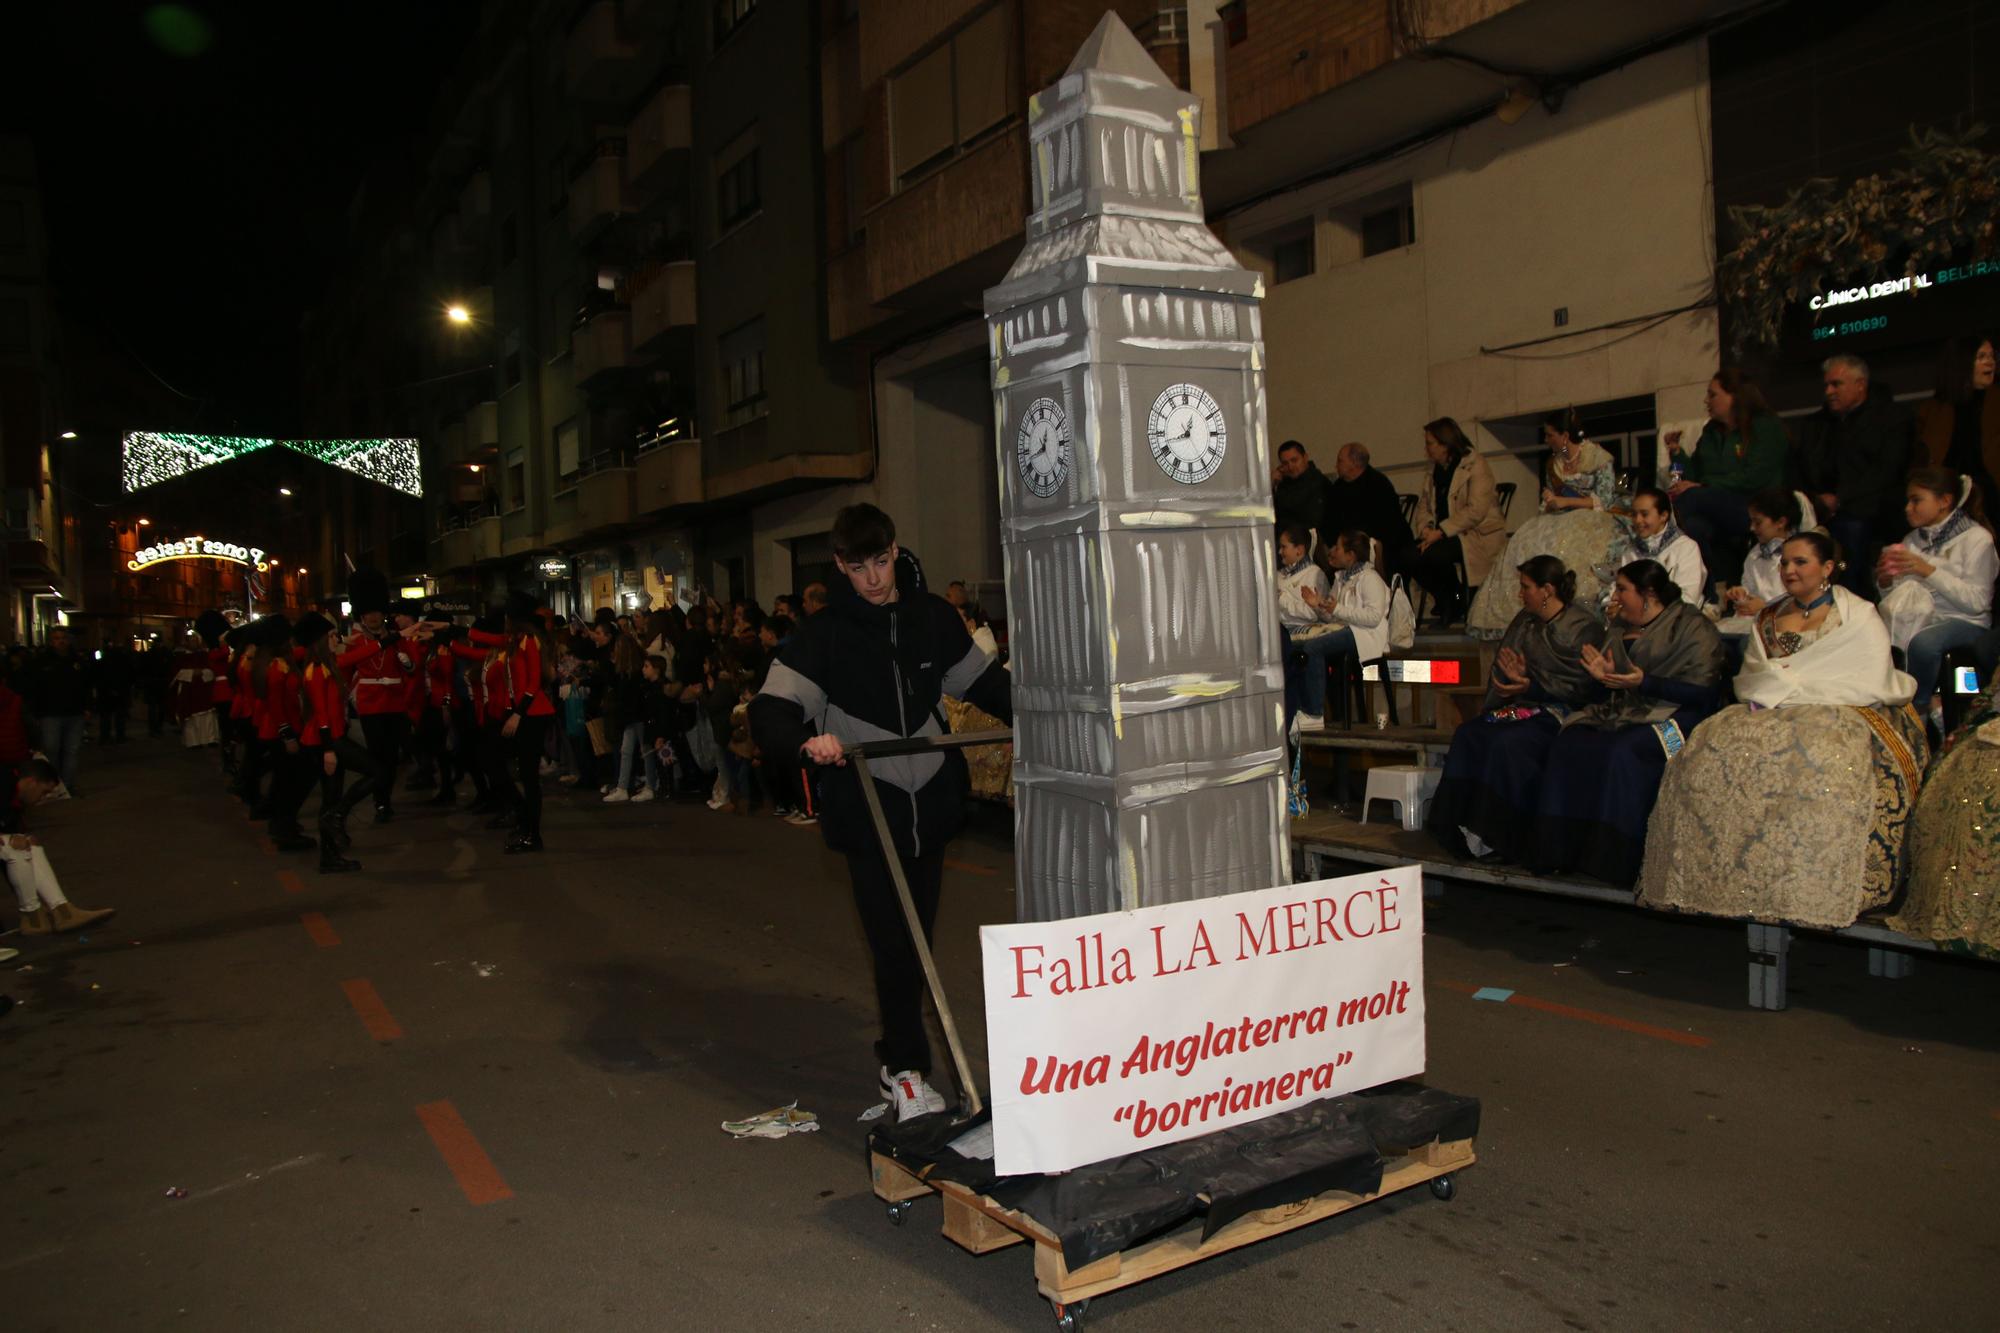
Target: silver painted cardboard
{"points": [[1148, 762]]}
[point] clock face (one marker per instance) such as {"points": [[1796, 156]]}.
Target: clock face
{"points": [[1041, 447], [1187, 433]]}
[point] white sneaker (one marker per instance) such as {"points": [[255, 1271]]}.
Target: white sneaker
{"points": [[1311, 722], [616, 795], [643, 795], [567, 779], [716, 803], [548, 767], [910, 1095], [605, 790], [800, 819]]}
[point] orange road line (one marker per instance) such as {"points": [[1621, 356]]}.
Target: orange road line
{"points": [[291, 883], [969, 868], [375, 1015], [470, 1166], [1590, 1016], [320, 929]]}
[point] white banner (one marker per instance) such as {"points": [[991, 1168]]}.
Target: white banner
{"points": [[1109, 1034]]}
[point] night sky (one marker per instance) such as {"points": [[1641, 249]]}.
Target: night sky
{"points": [[196, 164]]}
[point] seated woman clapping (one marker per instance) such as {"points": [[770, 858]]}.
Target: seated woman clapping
{"points": [[1494, 769], [1823, 710], [1351, 618], [1662, 675]]}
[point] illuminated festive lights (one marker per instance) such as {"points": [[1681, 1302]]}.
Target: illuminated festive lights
{"points": [[152, 457], [198, 548]]}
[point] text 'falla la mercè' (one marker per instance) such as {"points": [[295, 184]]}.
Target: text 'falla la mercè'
{"points": [[1237, 937]]}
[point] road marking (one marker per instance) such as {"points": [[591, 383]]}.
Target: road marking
{"points": [[1590, 1016], [290, 882], [320, 929], [375, 1015], [969, 868], [470, 1166]]}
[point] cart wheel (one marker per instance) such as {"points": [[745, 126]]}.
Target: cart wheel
{"points": [[898, 1211], [1444, 1187], [1069, 1318]]}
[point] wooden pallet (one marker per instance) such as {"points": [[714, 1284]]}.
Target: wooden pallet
{"points": [[981, 1225]]}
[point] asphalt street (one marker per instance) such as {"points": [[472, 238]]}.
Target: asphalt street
{"points": [[463, 1090]]}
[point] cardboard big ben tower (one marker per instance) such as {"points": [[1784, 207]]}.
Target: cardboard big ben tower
{"points": [[1128, 391]]}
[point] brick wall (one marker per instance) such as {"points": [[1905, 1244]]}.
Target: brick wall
{"points": [[1294, 50]]}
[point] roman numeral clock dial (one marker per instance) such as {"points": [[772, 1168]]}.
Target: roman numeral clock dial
{"points": [[1041, 447], [1187, 433]]}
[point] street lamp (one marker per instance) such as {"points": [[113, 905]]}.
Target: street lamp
{"points": [[145, 522], [284, 490], [69, 435], [457, 314]]}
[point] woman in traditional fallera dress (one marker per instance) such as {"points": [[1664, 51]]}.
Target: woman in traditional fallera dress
{"points": [[1576, 526], [1954, 846], [1663, 674], [1494, 769], [1792, 804]]}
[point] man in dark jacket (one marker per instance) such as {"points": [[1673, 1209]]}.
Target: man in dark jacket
{"points": [[60, 700], [1363, 498], [1299, 490], [1851, 457], [872, 667]]}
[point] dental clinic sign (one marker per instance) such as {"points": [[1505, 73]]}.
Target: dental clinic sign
{"points": [[197, 548], [1112, 1033], [1910, 283]]}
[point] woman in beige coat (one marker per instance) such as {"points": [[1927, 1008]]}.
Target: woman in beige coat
{"points": [[1458, 519]]}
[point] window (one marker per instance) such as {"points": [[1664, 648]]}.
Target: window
{"points": [[741, 352], [510, 359], [729, 16], [1285, 252], [738, 192], [517, 479], [953, 94], [1388, 229], [510, 241], [568, 439], [1362, 228]]}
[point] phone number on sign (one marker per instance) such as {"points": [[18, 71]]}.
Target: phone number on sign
{"points": [[1851, 326]]}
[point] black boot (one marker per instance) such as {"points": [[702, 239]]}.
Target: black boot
{"points": [[331, 862], [523, 842], [291, 840], [333, 828]]}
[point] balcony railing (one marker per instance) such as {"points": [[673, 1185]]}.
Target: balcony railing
{"points": [[597, 192], [663, 301], [604, 343], [599, 53], [658, 140]]}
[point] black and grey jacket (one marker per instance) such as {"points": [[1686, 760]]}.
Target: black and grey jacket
{"points": [[871, 673]]}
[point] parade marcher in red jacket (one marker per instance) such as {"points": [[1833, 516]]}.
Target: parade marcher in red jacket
{"points": [[431, 701], [531, 676], [380, 665], [212, 626], [277, 708], [331, 752], [491, 681], [250, 766]]}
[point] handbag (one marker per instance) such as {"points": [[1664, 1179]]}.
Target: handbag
{"points": [[600, 740]]}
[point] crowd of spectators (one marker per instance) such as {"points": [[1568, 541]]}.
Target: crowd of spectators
{"points": [[1755, 746]]}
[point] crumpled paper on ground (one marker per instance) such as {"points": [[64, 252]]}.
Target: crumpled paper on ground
{"points": [[774, 1124]]}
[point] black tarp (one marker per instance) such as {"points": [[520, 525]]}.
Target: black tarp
{"points": [[1335, 1143]]}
